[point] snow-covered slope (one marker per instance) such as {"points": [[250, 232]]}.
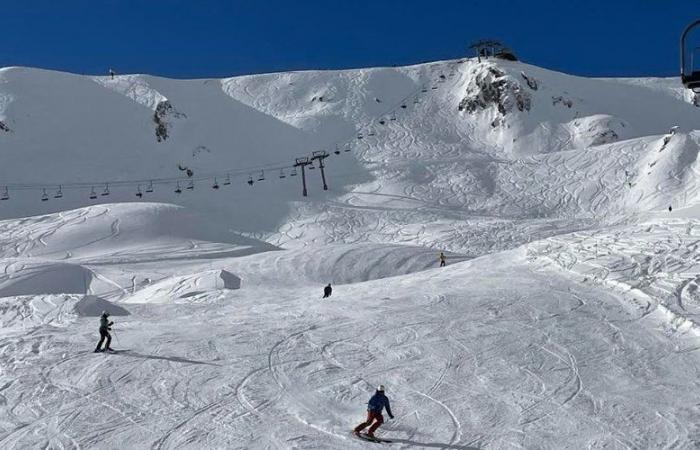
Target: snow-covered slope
{"points": [[566, 317]]}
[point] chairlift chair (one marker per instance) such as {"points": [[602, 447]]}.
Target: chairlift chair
{"points": [[425, 89], [359, 136], [215, 185], [149, 189], [139, 194], [5, 194], [44, 196], [311, 166], [690, 70], [227, 181], [190, 186], [59, 193], [105, 191], [262, 176], [178, 190], [347, 148], [294, 172], [382, 122], [250, 180], [282, 175], [93, 195]]}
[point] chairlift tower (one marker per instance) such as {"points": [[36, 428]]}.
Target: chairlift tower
{"points": [[690, 69], [320, 156], [302, 162]]}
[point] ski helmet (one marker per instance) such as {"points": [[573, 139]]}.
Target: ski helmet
{"points": [[380, 388], [105, 313]]}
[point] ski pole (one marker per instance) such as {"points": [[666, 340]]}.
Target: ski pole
{"points": [[116, 338]]}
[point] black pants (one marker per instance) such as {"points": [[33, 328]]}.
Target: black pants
{"points": [[104, 334], [442, 263]]}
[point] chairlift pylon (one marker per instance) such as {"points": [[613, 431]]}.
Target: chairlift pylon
{"points": [[44, 196], [690, 69]]}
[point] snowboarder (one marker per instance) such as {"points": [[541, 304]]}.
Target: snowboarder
{"points": [[105, 326], [442, 259], [376, 404], [327, 291]]}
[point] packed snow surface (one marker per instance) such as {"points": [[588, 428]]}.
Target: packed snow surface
{"points": [[567, 208]]}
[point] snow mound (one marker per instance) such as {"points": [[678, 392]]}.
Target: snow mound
{"points": [[337, 264], [50, 278], [191, 287], [141, 230], [93, 306]]}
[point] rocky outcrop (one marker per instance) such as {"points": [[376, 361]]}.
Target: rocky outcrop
{"points": [[164, 111], [492, 88]]}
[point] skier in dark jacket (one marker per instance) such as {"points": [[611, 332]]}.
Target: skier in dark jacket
{"points": [[327, 291], [376, 404], [105, 325]]}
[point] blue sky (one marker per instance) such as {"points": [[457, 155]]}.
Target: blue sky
{"points": [[216, 38]]}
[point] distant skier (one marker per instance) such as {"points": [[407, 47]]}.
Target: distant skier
{"points": [[327, 291], [442, 259], [111, 73], [105, 326], [376, 404], [670, 209]]}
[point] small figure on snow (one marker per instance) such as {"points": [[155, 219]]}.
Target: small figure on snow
{"points": [[670, 209], [376, 404], [105, 326], [442, 259], [111, 73], [327, 291]]}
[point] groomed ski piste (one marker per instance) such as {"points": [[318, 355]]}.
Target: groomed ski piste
{"points": [[566, 317]]}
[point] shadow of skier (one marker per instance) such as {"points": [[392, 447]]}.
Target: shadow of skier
{"points": [[432, 444], [165, 358]]}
